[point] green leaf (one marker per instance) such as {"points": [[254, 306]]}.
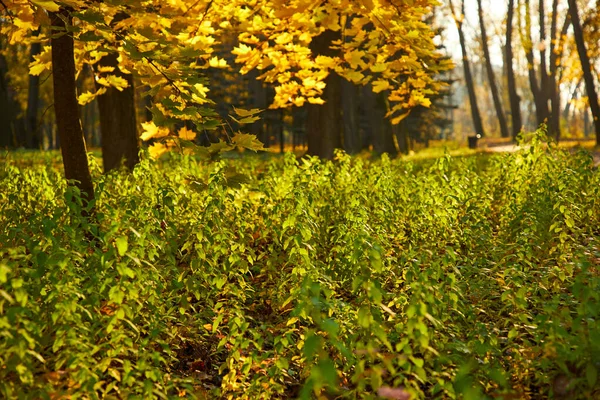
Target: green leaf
{"points": [[311, 345], [240, 112], [591, 373], [122, 245], [364, 317], [247, 141], [328, 372]]}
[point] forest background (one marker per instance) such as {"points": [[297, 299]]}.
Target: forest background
{"points": [[189, 262]]}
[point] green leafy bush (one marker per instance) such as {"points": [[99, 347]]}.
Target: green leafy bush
{"points": [[286, 278]]}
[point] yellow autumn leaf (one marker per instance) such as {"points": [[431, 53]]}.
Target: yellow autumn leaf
{"points": [[354, 76], [398, 119], [115, 81], [299, 101], [150, 130], [186, 134], [354, 58], [368, 4], [157, 150], [47, 5], [216, 62], [379, 67], [325, 62], [380, 85], [105, 69], [36, 68], [241, 50], [87, 97], [316, 100], [284, 38]]}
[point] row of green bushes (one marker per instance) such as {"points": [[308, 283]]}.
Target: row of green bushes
{"points": [[288, 278]]}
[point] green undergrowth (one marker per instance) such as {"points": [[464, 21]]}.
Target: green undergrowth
{"points": [[289, 278]]}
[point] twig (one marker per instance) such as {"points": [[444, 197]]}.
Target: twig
{"points": [[8, 12]]}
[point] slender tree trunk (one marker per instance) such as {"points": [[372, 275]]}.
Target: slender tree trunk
{"points": [[539, 93], [352, 143], [515, 100], [118, 124], [65, 107], [490, 74], [553, 89], [556, 52], [476, 116], [324, 122], [566, 114], [543, 68], [586, 67], [33, 101]]}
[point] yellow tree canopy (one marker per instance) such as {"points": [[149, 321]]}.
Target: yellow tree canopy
{"points": [[167, 44]]}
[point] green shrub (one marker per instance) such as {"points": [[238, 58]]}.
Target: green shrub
{"points": [[281, 278]]}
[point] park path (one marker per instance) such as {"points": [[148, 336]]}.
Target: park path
{"points": [[510, 148]]}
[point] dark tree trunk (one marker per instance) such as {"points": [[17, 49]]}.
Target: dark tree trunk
{"points": [[402, 137], [352, 142], [553, 89], [258, 99], [490, 74], [543, 68], [298, 126], [65, 107], [383, 135], [476, 116], [12, 128], [33, 101], [324, 122], [118, 120], [586, 67], [540, 97], [515, 100], [566, 114]]}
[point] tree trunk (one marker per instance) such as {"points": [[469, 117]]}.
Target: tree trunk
{"points": [[65, 107], [556, 51], [352, 142], [118, 120], [383, 135], [586, 67], [11, 127], [490, 74], [324, 122], [33, 101], [515, 100], [566, 114], [257, 99], [402, 138], [476, 116], [540, 97]]}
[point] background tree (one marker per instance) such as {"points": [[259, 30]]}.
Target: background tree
{"points": [[515, 101], [586, 67], [65, 105], [32, 139], [324, 121], [490, 74], [475, 115]]}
